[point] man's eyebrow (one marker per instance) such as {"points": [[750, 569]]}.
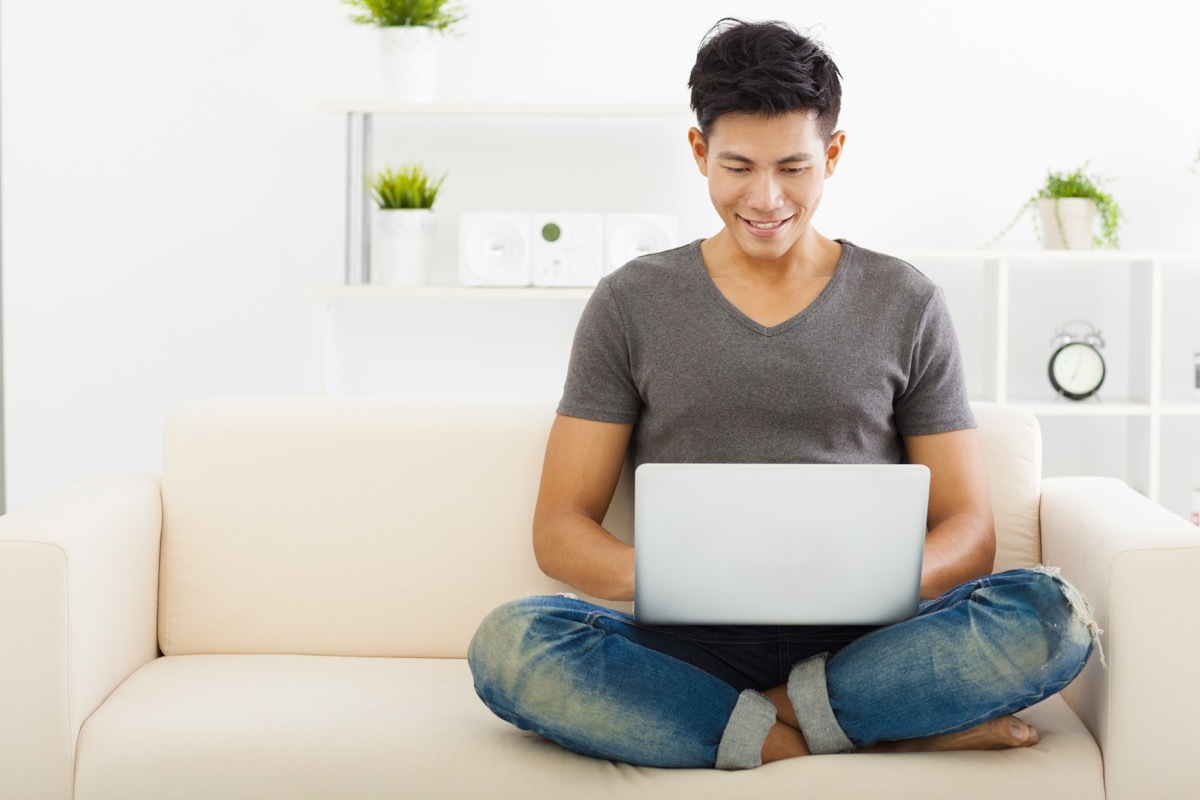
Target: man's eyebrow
{"points": [[729, 155]]}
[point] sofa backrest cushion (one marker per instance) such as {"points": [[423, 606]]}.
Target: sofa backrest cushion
{"points": [[388, 527], [346, 526], [1012, 453]]}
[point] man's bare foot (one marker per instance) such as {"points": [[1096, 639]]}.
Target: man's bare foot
{"points": [[783, 706], [1001, 733], [783, 741]]}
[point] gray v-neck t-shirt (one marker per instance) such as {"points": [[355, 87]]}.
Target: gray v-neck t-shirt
{"points": [[873, 358]]}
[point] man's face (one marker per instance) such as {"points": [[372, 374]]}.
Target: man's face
{"points": [[766, 176]]}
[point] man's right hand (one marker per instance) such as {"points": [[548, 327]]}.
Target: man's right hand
{"points": [[583, 463]]}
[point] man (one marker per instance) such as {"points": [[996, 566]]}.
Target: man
{"points": [[771, 343]]}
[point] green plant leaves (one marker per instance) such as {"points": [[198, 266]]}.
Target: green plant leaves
{"points": [[410, 186], [442, 15]]}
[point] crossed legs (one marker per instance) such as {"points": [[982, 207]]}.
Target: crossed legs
{"points": [[950, 678]]}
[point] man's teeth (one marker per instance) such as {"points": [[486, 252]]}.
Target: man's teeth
{"points": [[766, 225]]}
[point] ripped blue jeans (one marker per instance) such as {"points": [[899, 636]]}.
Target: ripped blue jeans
{"points": [[598, 683]]}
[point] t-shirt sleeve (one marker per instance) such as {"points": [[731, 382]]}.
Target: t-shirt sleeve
{"points": [[599, 384], [935, 399]]}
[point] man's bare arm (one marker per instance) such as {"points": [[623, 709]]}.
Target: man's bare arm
{"points": [[583, 464], [961, 543]]}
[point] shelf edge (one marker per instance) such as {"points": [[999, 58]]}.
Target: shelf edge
{"points": [[505, 109], [455, 292]]}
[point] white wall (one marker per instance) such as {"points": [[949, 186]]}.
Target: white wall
{"points": [[172, 196]]}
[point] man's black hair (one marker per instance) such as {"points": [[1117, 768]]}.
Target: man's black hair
{"points": [[763, 68]]}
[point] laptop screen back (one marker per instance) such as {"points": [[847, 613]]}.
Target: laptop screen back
{"points": [[778, 544]]}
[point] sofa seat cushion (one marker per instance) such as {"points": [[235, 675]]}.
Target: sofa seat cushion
{"points": [[237, 726]]}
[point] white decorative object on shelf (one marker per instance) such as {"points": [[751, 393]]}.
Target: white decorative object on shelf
{"points": [[402, 248], [573, 249], [494, 249], [1067, 222], [409, 59], [568, 249]]}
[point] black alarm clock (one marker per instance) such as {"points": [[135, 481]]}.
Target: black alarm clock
{"points": [[1076, 366]]}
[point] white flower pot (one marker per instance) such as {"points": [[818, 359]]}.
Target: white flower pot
{"points": [[1078, 218], [409, 56], [402, 247]]}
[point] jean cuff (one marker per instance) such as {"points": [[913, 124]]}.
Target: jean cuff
{"points": [[810, 700], [742, 743]]}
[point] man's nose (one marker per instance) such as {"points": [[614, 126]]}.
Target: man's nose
{"points": [[766, 193]]}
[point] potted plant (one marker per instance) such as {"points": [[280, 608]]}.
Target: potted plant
{"points": [[409, 31], [402, 247], [1067, 206]]}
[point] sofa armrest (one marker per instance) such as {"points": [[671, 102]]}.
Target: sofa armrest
{"points": [[78, 608], [1139, 566]]}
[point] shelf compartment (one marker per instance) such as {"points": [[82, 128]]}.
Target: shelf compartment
{"points": [[446, 342], [1111, 446], [1181, 330], [461, 139], [1181, 446], [1118, 297]]}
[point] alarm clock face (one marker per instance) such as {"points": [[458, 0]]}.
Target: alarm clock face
{"points": [[1076, 370]]}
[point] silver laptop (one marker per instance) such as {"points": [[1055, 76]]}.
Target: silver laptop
{"points": [[778, 544]]}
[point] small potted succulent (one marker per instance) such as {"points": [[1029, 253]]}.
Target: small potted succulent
{"points": [[402, 247], [1067, 207], [409, 32]]}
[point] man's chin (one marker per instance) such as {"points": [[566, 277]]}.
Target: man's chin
{"points": [[758, 249]]}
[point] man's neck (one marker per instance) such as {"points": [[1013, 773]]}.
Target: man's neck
{"points": [[813, 256], [770, 292]]}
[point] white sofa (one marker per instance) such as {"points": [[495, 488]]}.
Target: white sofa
{"points": [[285, 615]]}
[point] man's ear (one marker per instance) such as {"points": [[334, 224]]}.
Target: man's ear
{"points": [[833, 152], [699, 150]]}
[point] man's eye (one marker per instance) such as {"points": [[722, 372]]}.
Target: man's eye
{"points": [[737, 170], [794, 170]]}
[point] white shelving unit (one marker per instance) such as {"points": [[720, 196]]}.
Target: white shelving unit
{"points": [[1143, 427], [1127, 303]]}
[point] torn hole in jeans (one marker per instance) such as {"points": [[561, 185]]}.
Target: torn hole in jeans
{"points": [[1080, 608]]}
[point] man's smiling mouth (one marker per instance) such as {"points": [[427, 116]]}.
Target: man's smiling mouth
{"points": [[766, 226]]}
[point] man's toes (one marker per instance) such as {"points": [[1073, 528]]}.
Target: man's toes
{"points": [[1020, 733]]}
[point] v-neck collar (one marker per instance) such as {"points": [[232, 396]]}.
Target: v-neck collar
{"points": [[719, 297]]}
